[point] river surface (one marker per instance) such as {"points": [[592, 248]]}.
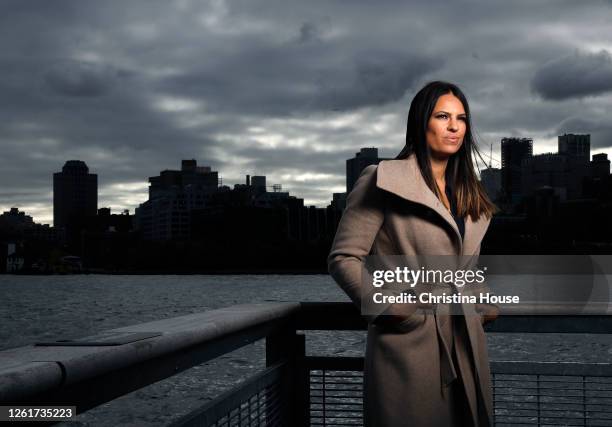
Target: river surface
{"points": [[35, 308]]}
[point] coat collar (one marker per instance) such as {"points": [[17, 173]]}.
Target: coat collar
{"points": [[403, 178]]}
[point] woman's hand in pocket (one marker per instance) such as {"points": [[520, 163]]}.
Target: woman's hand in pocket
{"points": [[488, 312], [403, 317]]}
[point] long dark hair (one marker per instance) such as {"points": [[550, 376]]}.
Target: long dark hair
{"points": [[470, 195]]}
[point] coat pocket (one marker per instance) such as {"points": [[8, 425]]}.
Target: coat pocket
{"points": [[411, 323]]}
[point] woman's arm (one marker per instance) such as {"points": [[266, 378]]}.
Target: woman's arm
{"points": [[357, 230], [361, 220]]}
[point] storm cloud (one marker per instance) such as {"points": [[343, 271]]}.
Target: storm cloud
{"points": [[289, 90], [574, 76]]}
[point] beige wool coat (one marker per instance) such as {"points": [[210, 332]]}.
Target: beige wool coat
{"points": [[413, 370]]}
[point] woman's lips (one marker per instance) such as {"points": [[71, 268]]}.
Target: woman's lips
{"points": [[452, 138]]}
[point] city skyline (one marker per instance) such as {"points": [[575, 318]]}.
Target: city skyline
{"points": [[348, 172], [286, 90]]}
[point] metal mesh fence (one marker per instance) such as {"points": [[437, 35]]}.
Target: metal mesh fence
{"points": [[261, 409], [520, 399], [336, 398], [258, 401], [552, 400]]}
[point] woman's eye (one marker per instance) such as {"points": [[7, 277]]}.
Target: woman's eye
{"points": [[445, 116]]}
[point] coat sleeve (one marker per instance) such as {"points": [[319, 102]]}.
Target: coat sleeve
{"points": [[358, 227]]}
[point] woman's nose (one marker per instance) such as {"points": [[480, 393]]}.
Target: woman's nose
{"points": [[452, 125]]}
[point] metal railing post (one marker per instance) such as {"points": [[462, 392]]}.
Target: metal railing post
{"points": [[301, 389], [280, 347]]}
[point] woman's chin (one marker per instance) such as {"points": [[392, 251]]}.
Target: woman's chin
{"points": [[445, 152]]}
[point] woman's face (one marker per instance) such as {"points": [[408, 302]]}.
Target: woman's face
{"points": [[446, 126]]}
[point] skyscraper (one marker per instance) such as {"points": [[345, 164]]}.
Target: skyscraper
{"points": [[173, 194], [563, 172], [354, 166], [578, 146], [514, 151], [600, 165], [75, 194], [491, 181]]}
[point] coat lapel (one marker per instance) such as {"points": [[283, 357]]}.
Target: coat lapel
{"points": [[403, 178]]}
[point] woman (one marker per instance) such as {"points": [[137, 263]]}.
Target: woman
{"points": [[421, 369]]}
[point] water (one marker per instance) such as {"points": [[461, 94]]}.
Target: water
{"points": [[50, 306], [34, 308]]}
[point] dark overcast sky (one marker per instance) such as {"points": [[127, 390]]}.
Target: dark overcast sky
{"points": [[285, 89]]}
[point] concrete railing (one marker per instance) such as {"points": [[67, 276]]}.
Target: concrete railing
{"points": [[93, 370]]}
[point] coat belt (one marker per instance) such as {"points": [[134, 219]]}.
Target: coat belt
{"points": [[448, 372]]}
